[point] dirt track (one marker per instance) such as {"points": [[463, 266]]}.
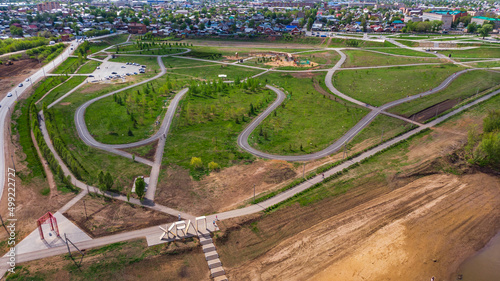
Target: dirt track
{"points": [[423, 229]]}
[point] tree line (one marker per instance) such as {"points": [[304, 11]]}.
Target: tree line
{"points": [[14, 45]]}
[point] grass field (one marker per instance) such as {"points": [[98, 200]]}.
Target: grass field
{"points": [[486, 64], [63, 89], [210, 120], [409, 43], [380, 86], [474, 53], [113, 40], [92, 160], [381, 129], [356, 58], [211, 71], [110, 120], [66, 66], [337, 42], [405, 52], [89, 67], [465, 86], [306, 119]]}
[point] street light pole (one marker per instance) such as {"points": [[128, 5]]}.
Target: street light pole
{"points": [[254, 193]]}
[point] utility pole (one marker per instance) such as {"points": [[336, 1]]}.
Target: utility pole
{"points": [[85, 207], [254, 193]]}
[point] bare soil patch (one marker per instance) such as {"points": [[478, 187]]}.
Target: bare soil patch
{"points": [[222, 190], [434, 110], [423, 229], [106, 216], [12, 75]]}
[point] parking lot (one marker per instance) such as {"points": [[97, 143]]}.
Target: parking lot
{"points": [[115, 70]]}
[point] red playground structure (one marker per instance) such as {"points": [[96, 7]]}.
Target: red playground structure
{"points": [[50, 219]]}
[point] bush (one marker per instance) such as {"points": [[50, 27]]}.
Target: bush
{"points": [[196, 162], [212, 166]]}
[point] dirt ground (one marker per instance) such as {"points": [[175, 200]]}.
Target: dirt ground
{"points": [[434, 110], [399, 235], [222, 190], [12, 75], [130, 260], [109, 216]]}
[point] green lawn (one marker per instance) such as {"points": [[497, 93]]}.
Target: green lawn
{"points": [[113, 40], [306, 119], [338, 42], [474, 53], [89, 67], [356, 58], [171, 62], [380, 86], [209, 123], [486, 64], [381, 129], [405, 52], [409, 43], [63, 89], [465, 86], [212, 71], [92, 160], [68, 66], [135, 110]]}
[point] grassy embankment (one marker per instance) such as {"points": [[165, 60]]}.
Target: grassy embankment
{"points": [[380, 86], [465, 86], [357, 58]]}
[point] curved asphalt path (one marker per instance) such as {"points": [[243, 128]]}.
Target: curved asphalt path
{"points": [[337, 145], [85, 135]]}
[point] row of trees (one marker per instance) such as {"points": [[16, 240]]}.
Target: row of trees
{"points": [[13, 45], [47, 154], [76, 167], [484, 150], [45, 53], [423, 26]]}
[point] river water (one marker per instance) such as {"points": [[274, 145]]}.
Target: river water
{"points": [[485, 265]]}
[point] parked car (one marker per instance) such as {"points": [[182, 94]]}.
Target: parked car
{"points": [[123, 66], [113, 72], [91, 75]]}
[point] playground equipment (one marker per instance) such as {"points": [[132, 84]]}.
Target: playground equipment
{"points": [[50, 219]]}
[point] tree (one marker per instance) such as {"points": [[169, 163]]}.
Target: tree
{"points": [[472, 27], [363, 24], [140, 188], [14, 30], [196, 162], [485, 30], [100, 180], [108, 181], [146, 22], [310, 22], [130, 133], [201, 26]]}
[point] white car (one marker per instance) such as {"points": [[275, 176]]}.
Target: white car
{"points": [[27, 80], [9, 94]]}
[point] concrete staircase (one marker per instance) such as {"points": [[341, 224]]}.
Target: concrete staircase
{"points": [[213, 261]]}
